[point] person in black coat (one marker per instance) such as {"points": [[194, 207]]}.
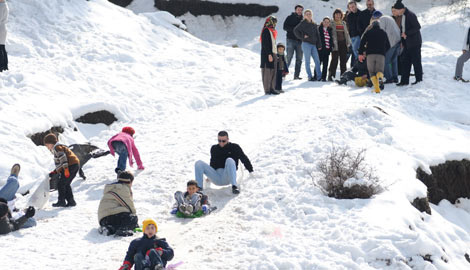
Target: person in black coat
{"points": [[282, 68], [359, 70], [7, 223], [375, 44], [268, 55], [223, 165], [157, 250], [293, 43], [411, 42], [326, 37], [364, 17]]}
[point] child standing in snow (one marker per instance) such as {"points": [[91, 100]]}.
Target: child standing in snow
{"points": [[191, 201], [282, 68], [67, 166], [123, 144], [148, 252]]}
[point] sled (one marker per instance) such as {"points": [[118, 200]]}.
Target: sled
{"points": [[40, 196]]}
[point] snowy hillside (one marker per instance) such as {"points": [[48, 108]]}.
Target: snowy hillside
{"points": [[71, 57]]}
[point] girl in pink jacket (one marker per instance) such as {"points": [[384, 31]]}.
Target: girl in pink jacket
{"points": [[123, 144]]}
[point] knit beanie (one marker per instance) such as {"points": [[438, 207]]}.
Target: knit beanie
{"points": [[148, 222], [377, 14], [128, 130], [281, 45], [125, 177], [398, 5], [50, 138], [3, 209]]}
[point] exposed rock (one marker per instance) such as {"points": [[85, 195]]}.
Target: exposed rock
{"points": [[122, 3], [422, 204], [450, 181], [38, 138], [97, 117], [197, 8]]}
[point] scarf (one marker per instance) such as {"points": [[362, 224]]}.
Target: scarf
{"points": [[272, 30]]}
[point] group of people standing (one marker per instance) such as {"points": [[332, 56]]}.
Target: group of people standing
{"points": [[390, 46]]}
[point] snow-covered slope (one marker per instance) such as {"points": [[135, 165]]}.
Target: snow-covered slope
{"points": [[72, 57]]}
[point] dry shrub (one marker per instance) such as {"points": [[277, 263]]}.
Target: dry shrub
{"points": [[342, 164]]}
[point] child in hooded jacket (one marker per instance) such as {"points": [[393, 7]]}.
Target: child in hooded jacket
{"points": [[148, 252], [123, 144]]}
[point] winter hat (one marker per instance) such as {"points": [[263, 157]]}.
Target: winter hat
{"points": [[377, 14], [128, 130], [281, 45], [148, 222], [270, 21], [125, 177], [3, 209], [398, 5], [50, 138]]}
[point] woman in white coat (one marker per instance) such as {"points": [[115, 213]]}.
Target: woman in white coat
{"points": [[3, 35]]}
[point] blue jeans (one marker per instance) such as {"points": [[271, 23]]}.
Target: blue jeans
{"points": [[391, 63], [220, 177], [356, 42], [31, 222], [121, 149], [140, 262], [9, 190], [310, 50], [294, 46]]}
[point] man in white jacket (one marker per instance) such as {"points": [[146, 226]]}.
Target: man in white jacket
{"points": [[3, 35], [463, 58], [390, 27]]}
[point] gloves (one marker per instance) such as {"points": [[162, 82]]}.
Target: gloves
{"points": [[125, 266], [52, 173], [205, 208], [159, 250], [30, 212], [67, 172], [173, 211]]}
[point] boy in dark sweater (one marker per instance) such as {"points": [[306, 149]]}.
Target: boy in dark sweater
{"points": [[148, 252], [282, 68], [191, 201]]}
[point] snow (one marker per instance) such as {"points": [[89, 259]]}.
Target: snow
{"points": [[69, 57]]}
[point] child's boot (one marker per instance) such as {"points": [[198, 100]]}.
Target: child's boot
{"points": [[60, 203], [380, 77], [375, 82]]}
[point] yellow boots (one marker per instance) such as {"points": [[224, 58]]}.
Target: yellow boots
{"points": [[375, 82], [378, 82]]}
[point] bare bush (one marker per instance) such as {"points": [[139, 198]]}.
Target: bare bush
{"points": [[346, 175]]}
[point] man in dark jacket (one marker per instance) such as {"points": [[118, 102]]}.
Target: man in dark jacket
{"points": [[352, 19], [293, 43], [411, 42], [364, 17], [359, 71], [8, 224], [156, 249], [224, 163]]}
